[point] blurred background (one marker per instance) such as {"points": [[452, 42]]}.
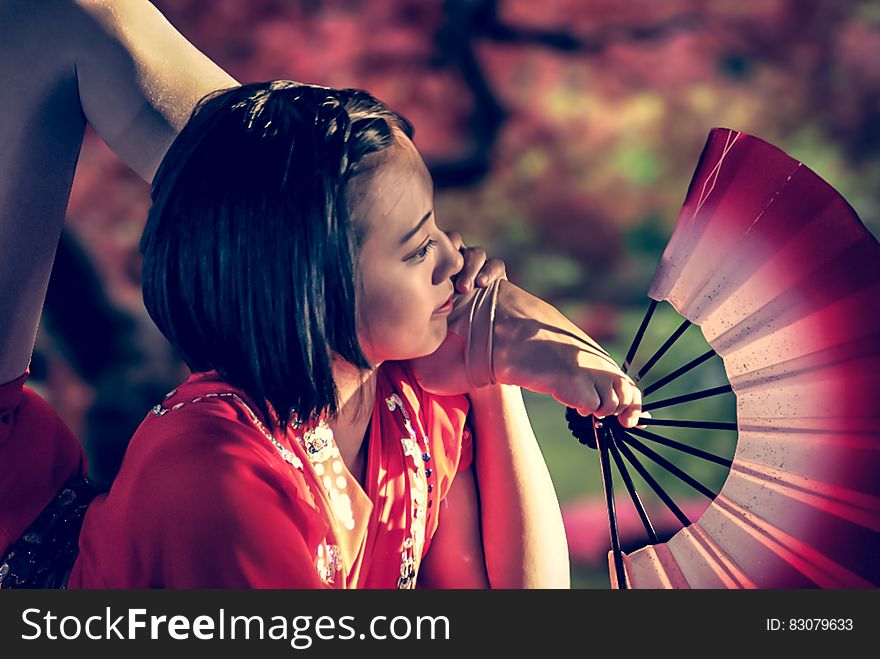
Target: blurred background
{"points": [[561, 135]]}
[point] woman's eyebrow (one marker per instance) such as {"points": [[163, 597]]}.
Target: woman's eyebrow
{"points": [[409, 234]]}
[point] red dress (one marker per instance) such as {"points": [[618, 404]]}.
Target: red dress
{"points": [[207, 498]]}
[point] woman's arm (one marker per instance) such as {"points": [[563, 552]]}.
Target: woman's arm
{"points": [[504, 528], [118, 65], [138, 78], [502, 334], [523, 536], [455, 558]]}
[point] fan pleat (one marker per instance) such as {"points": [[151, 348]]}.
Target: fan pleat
{"points": [[704, 563]]}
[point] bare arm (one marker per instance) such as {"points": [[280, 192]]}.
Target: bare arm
{"points": [[139, 79], [505, 529], [118, 65], [456, 558], [523, 536]]}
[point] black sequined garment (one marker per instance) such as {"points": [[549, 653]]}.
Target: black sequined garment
{"points": [[44, 555]]}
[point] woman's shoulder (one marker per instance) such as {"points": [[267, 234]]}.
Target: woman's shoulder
{"points": [[199, 455], [205, 499], [203, 409], [208, 431]]}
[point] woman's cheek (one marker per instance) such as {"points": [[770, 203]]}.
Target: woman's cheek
{"points": [[415, 331], [398, 307], [385, 323]]}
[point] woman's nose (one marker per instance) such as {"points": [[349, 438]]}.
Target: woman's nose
{"points": [[452, 262]]}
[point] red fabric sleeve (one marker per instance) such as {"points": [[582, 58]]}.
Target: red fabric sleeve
{"points": [[38, 454], [238, 528], [202, 502]]}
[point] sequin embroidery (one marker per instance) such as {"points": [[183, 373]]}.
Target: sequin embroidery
{"points": [[327, 562], [411, 551], [321, 448]]}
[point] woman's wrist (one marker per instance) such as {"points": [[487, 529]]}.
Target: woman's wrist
{"points": [[492, 393], [495, 405]]}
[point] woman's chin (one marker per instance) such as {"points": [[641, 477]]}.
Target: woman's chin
{"points": [[444, 371], [430, 348], [440, 337]]}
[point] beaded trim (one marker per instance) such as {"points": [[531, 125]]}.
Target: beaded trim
{"points": [[328, 562], [413, 545], [287, 455], [45, 553]]}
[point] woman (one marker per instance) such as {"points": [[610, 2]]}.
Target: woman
{"points": [[292, 257]]}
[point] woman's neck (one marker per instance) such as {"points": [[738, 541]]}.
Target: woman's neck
{"points": [[357, 397]]}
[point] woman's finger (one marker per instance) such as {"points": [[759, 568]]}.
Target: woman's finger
{"points": [[629, 417], [624, 394], [493, 269], [610, 401], [474, 258], [586, 402]]}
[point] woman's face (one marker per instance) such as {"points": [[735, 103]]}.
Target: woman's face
{"points": [[406, 262]]}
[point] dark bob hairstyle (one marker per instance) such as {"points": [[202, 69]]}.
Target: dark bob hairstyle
{"points": [[249, 254]]}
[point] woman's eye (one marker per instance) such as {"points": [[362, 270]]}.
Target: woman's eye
{"points": [[423, 252]]}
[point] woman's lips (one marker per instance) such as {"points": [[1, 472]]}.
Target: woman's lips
{"points": [[445, 307]]}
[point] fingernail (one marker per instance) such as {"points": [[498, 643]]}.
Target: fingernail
{"points": [[482, 279]]}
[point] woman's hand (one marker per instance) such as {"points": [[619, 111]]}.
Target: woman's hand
{"points": [[445, 371], [521, 340], [538, 348], [477, 270]]}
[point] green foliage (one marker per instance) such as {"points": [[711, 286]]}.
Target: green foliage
{"points": [[640, 166], [546, 274]]}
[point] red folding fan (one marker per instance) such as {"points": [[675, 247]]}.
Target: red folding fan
{"points": [[783, 280]]}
